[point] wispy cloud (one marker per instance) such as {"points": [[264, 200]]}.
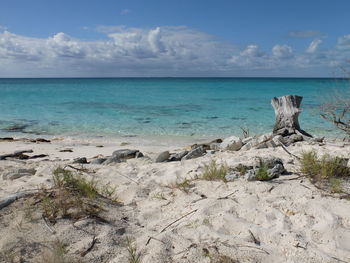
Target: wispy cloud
{"points": [[125, 11], [313, 46], [159, 51], [304, 34]]}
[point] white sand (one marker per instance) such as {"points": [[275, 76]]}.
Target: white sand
{"points": [[292, 220]]}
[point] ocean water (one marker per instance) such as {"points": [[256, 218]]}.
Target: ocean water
{"points": [[156, 106]]}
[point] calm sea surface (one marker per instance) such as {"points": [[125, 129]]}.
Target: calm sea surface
{"points": [[153, 106]]}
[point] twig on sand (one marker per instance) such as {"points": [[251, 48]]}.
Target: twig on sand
{"points": [[93, 242], [339, 260], [48, 226], [255, 240], [169, 225], [165, 228], [226, 196], [255, 248], [136, 182], [285, 148]]}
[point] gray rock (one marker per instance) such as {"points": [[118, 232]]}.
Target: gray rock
{"points": [[215, 146], [163, 157], [98, 161], [177, 156], [232, 176], [112, 159], [18, 173], [232, 143], [125, 154], [293, 138], [258, 142], [195, 153], [16, 154], [248, 139], [276, 171], [80, 160]]}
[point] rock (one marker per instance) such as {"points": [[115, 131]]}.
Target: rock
{"points": [[98, 161], [40, 140], [16, 154], [258, 142], [177, 156], [112, 159], [80, 160], [232, 143], [274, 167], [232, 176], [66, 150], [18, 173], [248, 139], [125, 154], [215, 146], [293, 138], [195, 153], [162, 157]]}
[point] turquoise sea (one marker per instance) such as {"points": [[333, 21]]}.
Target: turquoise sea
{"points": [[155, 106]]}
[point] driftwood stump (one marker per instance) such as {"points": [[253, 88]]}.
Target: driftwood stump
{"points": [[287, 110]]}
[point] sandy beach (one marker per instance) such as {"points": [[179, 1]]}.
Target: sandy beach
{"points": [[169, 214]]}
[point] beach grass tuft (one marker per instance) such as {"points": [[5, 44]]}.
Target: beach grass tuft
{"points": [[214, 171], [330, 171]]}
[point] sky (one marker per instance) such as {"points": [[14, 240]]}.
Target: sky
{"points": [[174, 38]]}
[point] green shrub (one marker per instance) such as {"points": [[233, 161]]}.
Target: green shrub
{"points": [[262, 173], [214, 171], [323, 168]]}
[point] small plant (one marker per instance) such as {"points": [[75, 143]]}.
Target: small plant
{"points": [[134, 256], [215, 172], [326, 170], [184, 186], [335, 185], [73, 196], [57, 253], [262, 173], [159, 196], [324, 167], [242, 169]]}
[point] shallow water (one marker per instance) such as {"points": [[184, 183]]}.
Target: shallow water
{"points": [[156, 106]]}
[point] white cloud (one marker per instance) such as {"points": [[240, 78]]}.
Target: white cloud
{"points": [[282, 51], [313, 46], [125, 11], [160, 51], [344, 42]]}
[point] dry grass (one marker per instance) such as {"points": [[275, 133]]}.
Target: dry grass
{"points": [[73, 196], [134, 255], [214, 171], [328, 171]]}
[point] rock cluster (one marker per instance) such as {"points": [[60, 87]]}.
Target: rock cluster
{"points": [[263, 170]]}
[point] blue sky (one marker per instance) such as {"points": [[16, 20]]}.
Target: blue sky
{"points": [[43, 38]]}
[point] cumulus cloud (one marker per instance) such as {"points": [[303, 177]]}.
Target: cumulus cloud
{"points": [[159, 51], [344, 42], [282, 51], [313, 46]]}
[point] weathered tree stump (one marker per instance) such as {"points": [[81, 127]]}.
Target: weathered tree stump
{"points": [[287, 110]]}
